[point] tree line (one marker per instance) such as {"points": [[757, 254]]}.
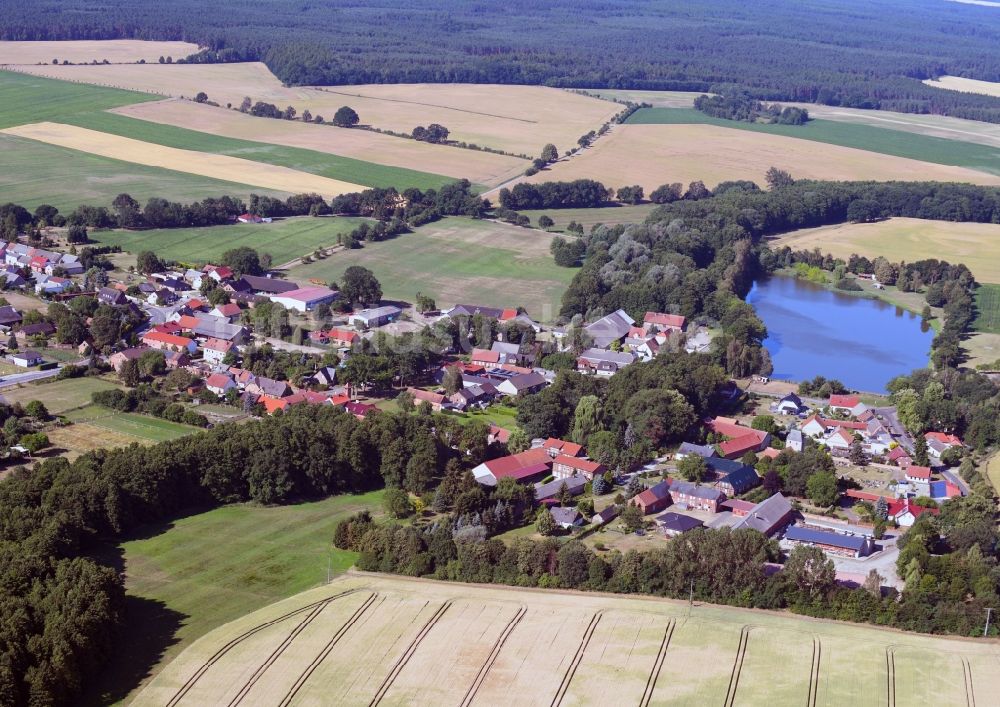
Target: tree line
{"points": [[744, 108]]}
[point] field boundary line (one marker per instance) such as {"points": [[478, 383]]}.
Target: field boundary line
{"points": [[734, 676], [970, 691], [817, 656], [408, 653], [275, 654], [492, 657], [577, 659], [219, 654], [890, 676], [328, 648], [661, 655], [428, 105]]}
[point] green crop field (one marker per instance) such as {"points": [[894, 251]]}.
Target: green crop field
{"points": [[187, 577], [284, 239], [31, 99], [987, 309], [459, 260], [608, 215], [427, 642], [62, 395], [321, 163], [36, 173], [862, 137], [142, 427]]}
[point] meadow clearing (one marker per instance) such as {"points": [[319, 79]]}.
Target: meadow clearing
{"points": [[976, 245], [60, 396], [609, 216], [459, 260], [196, 573], [651, 155], [284, 239], [203, 164], [116, 51], [957, 149], [374, 148], [516, 119], [368, 639], [959, 83]]}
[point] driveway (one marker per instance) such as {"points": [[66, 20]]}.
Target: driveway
{"points": [[954, 478], [891, 420]]}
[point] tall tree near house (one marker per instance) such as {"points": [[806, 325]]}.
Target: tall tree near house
{"points": [[587, 418], [360, 286], [127, 211], [810, 571], [544, 523], [147, 262], [920, 456], [452, 381], [856, 454], [692, 467]]}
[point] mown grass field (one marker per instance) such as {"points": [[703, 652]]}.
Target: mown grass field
{"points": [[987, 309], [30, 99], [459, 260], [284, 240], [609, 216], [187, 577], [863, 137], [143, 428], [976, 245], [403, 641], [60, 396]]}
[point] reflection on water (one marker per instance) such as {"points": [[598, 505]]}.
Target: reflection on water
{"points": [[814, 331]]}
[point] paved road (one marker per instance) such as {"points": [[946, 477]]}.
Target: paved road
{"points": [[31, 376], [957, 480]]}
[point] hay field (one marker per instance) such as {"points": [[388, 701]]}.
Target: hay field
{"points": [[367, 639], [651, 155], [657, 99], [478, 167], [116, 51], [976, 245], [201, 163], [958, 83], [607, 215], [517, 119], [60, 396], [285, 239], [459, 260]]}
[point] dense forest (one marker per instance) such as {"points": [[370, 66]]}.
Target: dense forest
{"points": [[851, 53]]}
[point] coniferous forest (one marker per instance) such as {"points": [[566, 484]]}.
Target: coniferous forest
{"points": [[850, 53]]}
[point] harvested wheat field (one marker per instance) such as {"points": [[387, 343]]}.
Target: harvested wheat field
{"points": [[370, 639], [976, 245], [957, 83], [516, 119], [231, 169], [651, 155], [478, 167], [116, 51]]}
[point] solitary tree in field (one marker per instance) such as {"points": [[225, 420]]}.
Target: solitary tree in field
{"points": [[549, 153], [545, 222], [201, 97], [345, 117], [147, 262]]}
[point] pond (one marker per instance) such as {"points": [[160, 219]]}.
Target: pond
{"points": [[813, 331]]}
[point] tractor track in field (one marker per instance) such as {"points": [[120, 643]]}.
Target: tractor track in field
{"points": [[219, 654], [410, 650], [890, 677], [970, 692], [817, 657], [577, 659], [484, 669], [661, 654], [734, 676], [321, 656]]}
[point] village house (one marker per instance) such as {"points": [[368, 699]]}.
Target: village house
{"points": [[741, 439], [29, 331], [673, 524], [847, 404], [9, 317], [327, 376], [768, 516], [229, 311], [120, 358], [484, 357], [574, 485], [738, 481], [606, 515], [473, 395], [111, 296], [305, 299], [688, 449], [523, 383], [654, 499], [905, 513], [269, 388], [497, 434], [609, 329], [603, 363], [220, 384], [663, 322], [209, 327], [341, 338], [215, 350], [793, 440], [918, 474], [219, 273], [437, 401], [900, 457], [46, 285], [830, 542], [560, 447], [526, 467], [566, 518], [939, 442], [510, 353], [26, 358], [565, 466], [161, 340], [374, 317], [817, 427], [471, 310], [791, 404], [685, 494]]}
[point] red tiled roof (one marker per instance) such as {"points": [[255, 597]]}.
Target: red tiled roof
{"points": [[844, 401], [898, 506], [943, 438], [740, 445], [229, 310], [168, 328], [569, 448], [508, 314], [591, 467], [218, 380], [919, 472], [187, 322], [661, 319], [862, 495], [511, 465], [898, 453], [348, 335], [218, 345], [485, 355], [168, 339]]}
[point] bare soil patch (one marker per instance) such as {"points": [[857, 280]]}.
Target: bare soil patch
{"points": [[232, 169]]}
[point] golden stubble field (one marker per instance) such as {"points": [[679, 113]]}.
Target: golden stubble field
{"points": [[232, 169], [86, 50], [479, 167], [516, 119], [371, 639], [976, 245], [958, 83], [651, 155]]}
